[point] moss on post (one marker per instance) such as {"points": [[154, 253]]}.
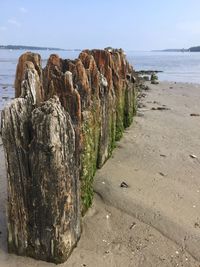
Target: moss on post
{"points": [[90, 132]]}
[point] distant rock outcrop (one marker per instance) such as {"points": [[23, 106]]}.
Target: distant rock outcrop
{"points": [[63, 125], [154, 79]]}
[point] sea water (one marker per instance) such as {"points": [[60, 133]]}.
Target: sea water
{"points": [[176, 66]]}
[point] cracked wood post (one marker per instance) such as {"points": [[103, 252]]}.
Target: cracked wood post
{"points": [[51, 144], [43, 177]]}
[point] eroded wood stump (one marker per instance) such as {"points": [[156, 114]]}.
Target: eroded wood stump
{"points": [[61, 128], [43, 178]]}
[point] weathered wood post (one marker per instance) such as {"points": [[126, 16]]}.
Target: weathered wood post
{"points": [[43, 177], [63, 125]]}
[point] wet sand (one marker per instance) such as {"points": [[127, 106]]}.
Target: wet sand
{"points": [[155, 221]]}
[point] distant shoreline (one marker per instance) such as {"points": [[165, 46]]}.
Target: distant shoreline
{"points": [[24, 47], [191, 49]]}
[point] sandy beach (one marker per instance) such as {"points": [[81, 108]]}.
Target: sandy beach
{"points": [[155, 219]]}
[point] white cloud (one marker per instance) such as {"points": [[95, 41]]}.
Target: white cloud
{"points": [[14, 22], [23, 9], [3, 28], [192, 27]]}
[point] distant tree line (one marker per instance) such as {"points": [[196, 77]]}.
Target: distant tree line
{"points": [[194, 49], [24, 47]]}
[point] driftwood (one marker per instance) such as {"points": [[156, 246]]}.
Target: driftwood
{"points": [[63, 125]]}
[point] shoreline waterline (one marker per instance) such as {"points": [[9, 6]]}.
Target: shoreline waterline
{"points": [[175, 67]]}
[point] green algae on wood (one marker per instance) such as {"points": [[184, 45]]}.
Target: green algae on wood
{"points": [[90, 132]]}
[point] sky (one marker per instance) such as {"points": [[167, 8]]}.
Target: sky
{"points": [[129, 24]]}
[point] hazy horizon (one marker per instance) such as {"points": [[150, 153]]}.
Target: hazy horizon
{"points": [[132, 25], [77, 48]]}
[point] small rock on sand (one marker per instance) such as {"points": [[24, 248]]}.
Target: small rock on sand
{"points": [[160, 108], [193, 156], [195, 114], [124, 185]]}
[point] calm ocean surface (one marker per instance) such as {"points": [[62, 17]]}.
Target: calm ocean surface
{"points": [[179, 67]]}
